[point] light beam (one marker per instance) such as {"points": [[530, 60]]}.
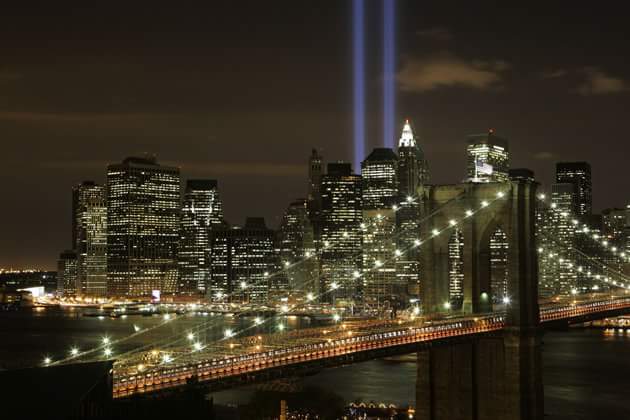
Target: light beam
{"points": [[358, 46]]}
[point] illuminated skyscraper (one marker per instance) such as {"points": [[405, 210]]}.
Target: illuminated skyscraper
{"points": [[557, 278], [456, 269], [201, 211], [614, 224], [143, 203], [67, 273], [412, 172], [89, 234], [244, 263], [488, 158], [341, 232], [380, 193], [577, 174], [297, 249]]}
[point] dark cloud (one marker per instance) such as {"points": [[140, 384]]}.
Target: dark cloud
{"points": [[420, 74], [598, 82], [543, 155], [554, 74]]}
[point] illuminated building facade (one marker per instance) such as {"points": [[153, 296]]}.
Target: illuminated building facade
{"points": [[67, 273], [296, 245], [143, 204], [201, 211], [577, 174], [412, 173], [488, 158], [341, 252], [89, 233], [380, 194], [498, 266], [244, 263], [456, 269], [557, 278]]}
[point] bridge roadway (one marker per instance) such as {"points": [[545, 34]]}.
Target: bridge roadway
{"points": [[265, 357]]}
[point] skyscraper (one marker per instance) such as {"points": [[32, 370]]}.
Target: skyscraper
{"points": [[412, 172], [577, 174], [67, 273], [89, 220], [379, 196], [297, 249], [201, 211], [341, 232], [143, 200], [244, 263], [488, 158], [557, 278]]}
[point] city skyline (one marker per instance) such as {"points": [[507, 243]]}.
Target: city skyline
{"points": [[569, 107]]}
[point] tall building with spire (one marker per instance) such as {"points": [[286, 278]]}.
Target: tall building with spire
{"points": [[202, 211], [412, 172]]}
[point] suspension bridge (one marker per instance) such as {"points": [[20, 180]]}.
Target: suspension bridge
{"points": [[486, 350]]}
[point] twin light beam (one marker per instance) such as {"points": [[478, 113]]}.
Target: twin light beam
{"points": [[389, 69]]}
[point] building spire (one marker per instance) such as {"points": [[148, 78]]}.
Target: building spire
{"points": [[407, 138]]}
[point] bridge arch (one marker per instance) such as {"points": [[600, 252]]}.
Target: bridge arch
{"points": [[510, 208]]}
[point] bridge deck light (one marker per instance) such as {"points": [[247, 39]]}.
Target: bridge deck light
{"points": [[553, 205], [190, 336], [409, 199], [541, 196], [310, 297], [136, 328], [394, 207], [228, 333], [281, 327], [447, 305], [107, 352], [378, 263], [452, 222], [506, 300], [435, 232], [417, 242], [336, 317], [398, 252], [47, 360], [257, 321], [166, 358], [500, 194], [197, 346], [484, 203], [355, 274], [469, 213], [105, 340], [74, 351], [334, 285]]}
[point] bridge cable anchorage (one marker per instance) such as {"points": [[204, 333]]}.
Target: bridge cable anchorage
{"points": [[452, 224], [583, 228], [407, 201]]}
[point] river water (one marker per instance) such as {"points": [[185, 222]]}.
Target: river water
{"points": [[586, 372]]}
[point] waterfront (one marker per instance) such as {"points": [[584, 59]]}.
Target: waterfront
{"points": [[585, 371]]}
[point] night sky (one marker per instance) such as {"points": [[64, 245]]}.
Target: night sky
{"points": [[241, 91]]}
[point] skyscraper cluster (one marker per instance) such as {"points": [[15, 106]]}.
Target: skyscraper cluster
{"points": [[349, 242]]}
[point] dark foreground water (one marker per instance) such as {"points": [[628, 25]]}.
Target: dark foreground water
{"points": [[586, 372]]}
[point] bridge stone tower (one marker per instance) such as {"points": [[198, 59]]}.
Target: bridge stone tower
{"points": [[485, 377]]}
